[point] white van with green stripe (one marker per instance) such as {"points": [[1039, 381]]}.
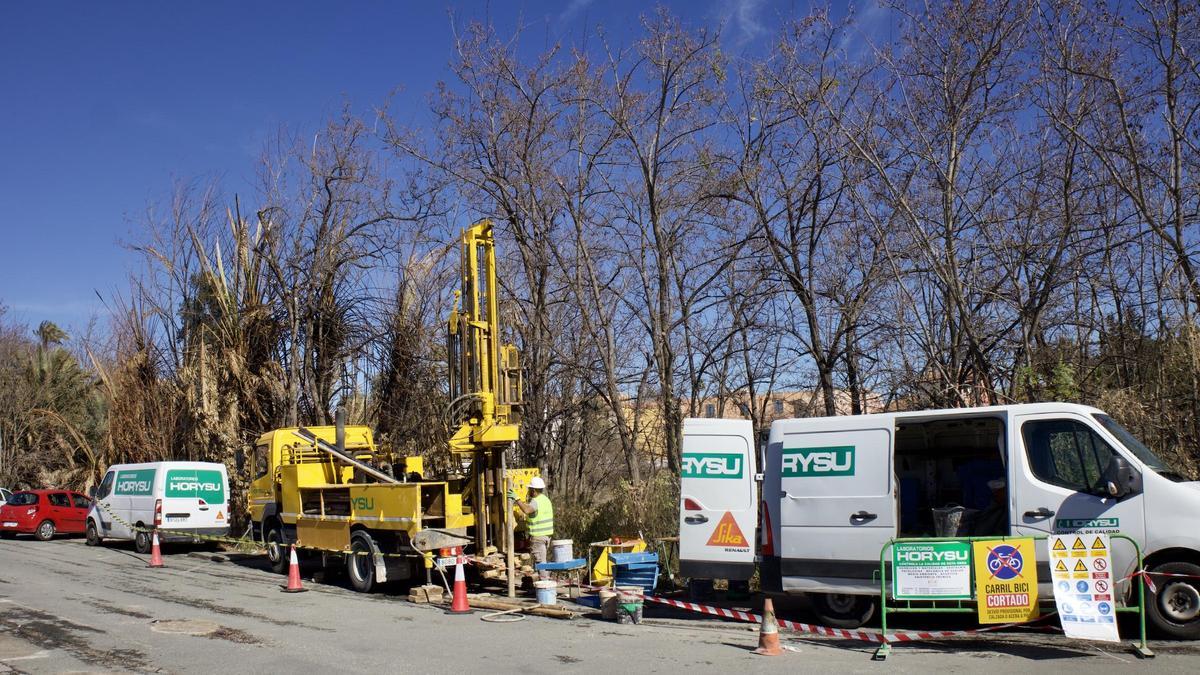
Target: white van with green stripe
{"points": [[185, 500]]}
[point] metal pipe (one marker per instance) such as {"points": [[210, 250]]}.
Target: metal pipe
{"points": [[509, 547], [327, 448], [340, 421]]}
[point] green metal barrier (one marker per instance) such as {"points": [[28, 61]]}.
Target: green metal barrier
{"points": [[961, 606]]}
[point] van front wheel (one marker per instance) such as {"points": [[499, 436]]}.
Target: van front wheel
{"points": [[1175, 608], [92, 534], [842, 610]]}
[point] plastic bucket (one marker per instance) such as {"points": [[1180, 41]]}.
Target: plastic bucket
{"points": [[630, 600], [562, 550], [547, 592], [608, 604]]}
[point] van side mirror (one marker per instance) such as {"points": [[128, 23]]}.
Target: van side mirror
{"points": [[1120, 479], [92, 492]]}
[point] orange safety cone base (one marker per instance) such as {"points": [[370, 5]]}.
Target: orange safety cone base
{"points": [[768, 634], [293, 584], [155, 552]]}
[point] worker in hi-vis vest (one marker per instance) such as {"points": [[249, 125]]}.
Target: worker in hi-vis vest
{"points": [[539, 517]]}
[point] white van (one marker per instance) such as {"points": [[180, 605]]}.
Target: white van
{"points": [[836, 489], [182, 498]]}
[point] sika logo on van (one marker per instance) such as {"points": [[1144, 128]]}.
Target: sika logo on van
{"points": [[830, 461], [712, 465]]}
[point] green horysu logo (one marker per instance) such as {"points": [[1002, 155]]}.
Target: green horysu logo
{"points": [[194, 486], [712, 465], [828, 461], [133, 486], [364, 503]]}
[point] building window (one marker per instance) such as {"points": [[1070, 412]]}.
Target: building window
{"points": [[778, 405], [710, 410]]}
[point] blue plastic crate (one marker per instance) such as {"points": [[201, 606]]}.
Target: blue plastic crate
{"points": [[636, 569]]}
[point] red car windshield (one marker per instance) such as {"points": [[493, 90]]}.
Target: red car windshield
{"points": [[23, 499]]}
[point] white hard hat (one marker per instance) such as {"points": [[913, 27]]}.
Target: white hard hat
{"points": [[537, 483]]}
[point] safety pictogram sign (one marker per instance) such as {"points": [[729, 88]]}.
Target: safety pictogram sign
{"points": [[1085, 598], [727, 533], [1005, 580]]}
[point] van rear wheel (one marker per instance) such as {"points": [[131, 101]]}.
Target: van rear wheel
{"points": [[141, 542], [1174, 609], [842, 610]]}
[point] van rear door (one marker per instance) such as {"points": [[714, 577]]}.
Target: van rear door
{"points": [[718, 499], [195, 497], [837, 504]]}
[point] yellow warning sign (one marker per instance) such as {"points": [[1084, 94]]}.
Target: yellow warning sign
{"points": [[1078, 544], [728, 533], [220, 516], [1005, 580], [1079, 566], [1098, 545], [1060, 567], [1059, 545]]}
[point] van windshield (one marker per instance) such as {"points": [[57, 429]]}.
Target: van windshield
{"points": [[1145, 454]]}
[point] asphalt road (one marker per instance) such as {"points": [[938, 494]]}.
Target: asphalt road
{"points": [[67, 607]]}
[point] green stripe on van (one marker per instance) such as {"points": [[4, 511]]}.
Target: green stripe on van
{"points": [[196, 484], [139, 482]]}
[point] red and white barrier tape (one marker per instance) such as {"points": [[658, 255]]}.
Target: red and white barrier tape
{"points": [[857, 634]]}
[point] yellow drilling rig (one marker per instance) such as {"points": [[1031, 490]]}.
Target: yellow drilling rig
{"points": [[333, 493]]}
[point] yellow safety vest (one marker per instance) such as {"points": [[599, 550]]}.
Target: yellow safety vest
{"points": [[541, 523]]}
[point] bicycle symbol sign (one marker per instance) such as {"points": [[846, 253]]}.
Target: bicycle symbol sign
{"points": [[1005, 562]]}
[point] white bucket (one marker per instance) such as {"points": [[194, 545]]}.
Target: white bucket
{"points": [[562, 550], [547, 592], [608, 604]]}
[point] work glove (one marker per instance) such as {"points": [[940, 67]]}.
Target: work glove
{"points": [[512, 494]]}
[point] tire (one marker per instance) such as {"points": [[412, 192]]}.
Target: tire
{"points": [[840, 610], [92, 535], [45, 530], [277, 556], [360, 567], [142, 542], [1174, 609], [700, 590]]}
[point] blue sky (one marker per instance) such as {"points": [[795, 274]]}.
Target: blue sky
{"points": [[103, 105]]}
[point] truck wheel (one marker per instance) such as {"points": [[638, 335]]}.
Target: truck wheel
{"points": [[142, 542], [1175, 609], [276, 552], [841, 610], [44, 531], [360, 564], [92, 534]]}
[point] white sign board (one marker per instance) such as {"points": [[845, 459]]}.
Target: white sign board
{"points": [[1084, 587]]}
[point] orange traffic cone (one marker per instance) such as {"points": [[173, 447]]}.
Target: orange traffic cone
{"points": [[459, 604], [293, 584], [155, 552], [768, 634]]}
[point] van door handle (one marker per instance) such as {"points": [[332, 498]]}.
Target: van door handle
{"points": [[862, 517], [1042, 512], [696, 520]]}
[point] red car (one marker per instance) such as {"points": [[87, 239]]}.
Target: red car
{"points": [[44, 513]]}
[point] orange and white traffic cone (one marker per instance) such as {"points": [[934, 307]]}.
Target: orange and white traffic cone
{"points": [[155, 551], [768, 633], [459, 604], [293, 584]]}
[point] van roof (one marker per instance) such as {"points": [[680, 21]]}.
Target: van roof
{"points": [[994, 410]]}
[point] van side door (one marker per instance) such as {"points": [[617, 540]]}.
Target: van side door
{"points": [[837, 505], [718, 499], [1057, 486]]}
